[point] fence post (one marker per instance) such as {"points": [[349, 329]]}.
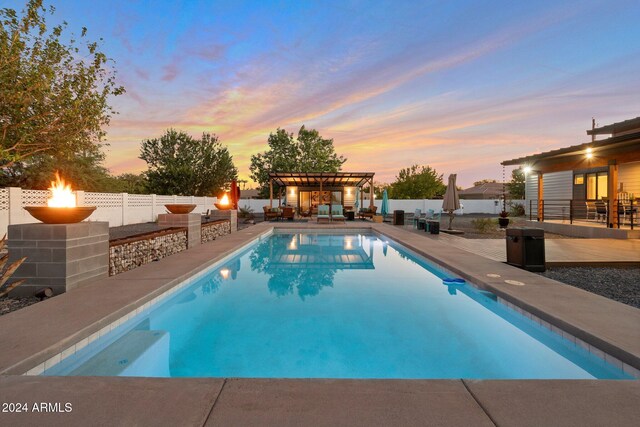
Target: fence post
{"points": [[175, 199], [125, 206], [15, 205], [153, 207]]}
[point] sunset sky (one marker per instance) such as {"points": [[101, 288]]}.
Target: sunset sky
{"points": [[457, 85]]}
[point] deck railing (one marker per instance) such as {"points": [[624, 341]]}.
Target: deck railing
{"points": [[626, 213]]}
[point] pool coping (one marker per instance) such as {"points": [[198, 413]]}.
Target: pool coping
{"points": [[619, 346], [25, 339]]}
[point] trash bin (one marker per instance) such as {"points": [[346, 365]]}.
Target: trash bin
{"points": [[398, 217], [525, 248], [433, 227]]}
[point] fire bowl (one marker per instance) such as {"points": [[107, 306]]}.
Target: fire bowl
{"points": [[222, 207], [50, 215], [180, 209]]}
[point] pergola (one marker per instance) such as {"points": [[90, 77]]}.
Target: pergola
{"points": [[321, 180]]}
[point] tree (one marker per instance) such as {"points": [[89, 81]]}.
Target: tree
{"points": [[179, 164], [517, 184], [53, 95], [484, 181], [417, 182], [83, 170], [128, 183], [309, 152]]}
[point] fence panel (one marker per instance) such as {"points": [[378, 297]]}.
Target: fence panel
{"points": [[122, 209]]}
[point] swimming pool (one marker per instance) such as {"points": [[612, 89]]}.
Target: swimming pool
{"points": [[304, 305]]}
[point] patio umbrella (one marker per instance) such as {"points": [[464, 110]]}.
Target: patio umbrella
{"points": [[384, 209], [451, 200]]}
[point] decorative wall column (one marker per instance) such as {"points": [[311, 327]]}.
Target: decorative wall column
{"points": [[540, 197]]}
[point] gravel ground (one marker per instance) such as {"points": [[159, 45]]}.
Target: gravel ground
{"points": [[7, 305], [616, 283]]}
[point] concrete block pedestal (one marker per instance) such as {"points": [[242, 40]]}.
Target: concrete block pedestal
{"points": [[230, 214], [191, 221], [59, 256]]}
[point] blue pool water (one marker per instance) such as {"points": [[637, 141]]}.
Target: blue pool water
{"points": [[332, 306]]}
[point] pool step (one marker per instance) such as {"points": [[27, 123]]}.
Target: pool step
{"points": [[138, 353]]}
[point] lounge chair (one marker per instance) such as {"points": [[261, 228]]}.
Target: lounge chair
{"points": [[337, 213], [270, 213], [323, 213], [416, 217], [367, 212]]}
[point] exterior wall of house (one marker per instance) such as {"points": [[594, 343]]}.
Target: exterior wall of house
{"points": [[629, 177], [558, 185], [349, 196], [292, 196]]}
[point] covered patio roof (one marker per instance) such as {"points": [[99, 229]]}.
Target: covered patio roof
{"points": [[602, 148], [321, 179]]}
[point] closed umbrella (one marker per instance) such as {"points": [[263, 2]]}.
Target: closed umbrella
{"points": [[384, 209], [451, 200]]}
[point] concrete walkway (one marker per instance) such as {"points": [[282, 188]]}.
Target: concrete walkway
{"points": [[118, 401], [557, 251], [37, 334]]}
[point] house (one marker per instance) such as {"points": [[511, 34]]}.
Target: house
{"points": [[595, 180], [486, 191]]}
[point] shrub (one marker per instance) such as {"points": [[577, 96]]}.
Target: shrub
{"points": [[245, 212], [6, 272], [483, 225], [516, 209]]}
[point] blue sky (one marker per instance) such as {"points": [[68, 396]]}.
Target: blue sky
{"points": [[458, 85]]}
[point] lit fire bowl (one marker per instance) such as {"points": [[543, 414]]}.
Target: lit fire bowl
{"points": [[180, 209], [50, 215], [222, 207]]}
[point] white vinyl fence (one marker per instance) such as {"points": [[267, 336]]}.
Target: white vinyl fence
{"points": [[409, 206], [122, 208], [115, 208]]}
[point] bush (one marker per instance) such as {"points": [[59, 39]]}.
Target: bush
{"points": [[516, 209], [245, 212], [484, 225]]}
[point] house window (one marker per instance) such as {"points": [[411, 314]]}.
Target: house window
{"points": [[597, 185], [603, 185], [578, 179], [591, 186]]}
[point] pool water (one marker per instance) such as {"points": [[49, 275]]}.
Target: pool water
{"points": [[332, 306]]}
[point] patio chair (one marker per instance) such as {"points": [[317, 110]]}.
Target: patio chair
{"points": [[270, 213], [367, 212], [416, 217], [288, 213], [591, 211], [323, 213], [337, 213], [601, 210]]}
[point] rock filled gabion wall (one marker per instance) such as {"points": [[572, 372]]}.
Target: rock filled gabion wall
{"points": [[137, 251], [214, 230]]}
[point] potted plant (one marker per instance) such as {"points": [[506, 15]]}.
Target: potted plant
{"points": [[503, 221]]}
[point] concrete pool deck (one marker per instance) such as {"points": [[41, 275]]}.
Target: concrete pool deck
{"points": [[37, 334]]}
